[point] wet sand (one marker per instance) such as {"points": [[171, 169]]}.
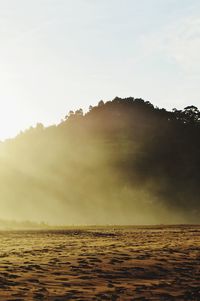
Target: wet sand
{"points": [[101, 263]]}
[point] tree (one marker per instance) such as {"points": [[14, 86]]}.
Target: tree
{"points": [[79, 112], [100, 103], [69, 115], [191, 114]]}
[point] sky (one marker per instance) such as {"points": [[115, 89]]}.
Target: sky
{"points": [[58, 55]]}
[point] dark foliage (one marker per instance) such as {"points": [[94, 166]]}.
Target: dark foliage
{"points": [[142, 146]]}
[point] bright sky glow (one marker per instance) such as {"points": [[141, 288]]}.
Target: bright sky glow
{"points": [[57, 55]]}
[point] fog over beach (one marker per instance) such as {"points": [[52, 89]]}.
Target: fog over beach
{"points": [[99, 150], [123, 162]]}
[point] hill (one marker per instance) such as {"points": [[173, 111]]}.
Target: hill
{"points": [[123, 162]]}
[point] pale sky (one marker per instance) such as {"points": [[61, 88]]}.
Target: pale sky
{"points": [[57, 55]]}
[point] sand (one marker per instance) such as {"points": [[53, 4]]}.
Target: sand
{"points": [[101, 263]]}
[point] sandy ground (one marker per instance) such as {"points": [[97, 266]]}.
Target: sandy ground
{"points": [[105, 263]]}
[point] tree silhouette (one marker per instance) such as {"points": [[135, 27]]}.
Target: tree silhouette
{"points": [[122, 145], [191, 115]]}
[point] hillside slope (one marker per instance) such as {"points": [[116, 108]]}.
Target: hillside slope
{"points": [[123, 162]]}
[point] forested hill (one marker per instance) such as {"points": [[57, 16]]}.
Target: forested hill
{"points": [[123, 162]]}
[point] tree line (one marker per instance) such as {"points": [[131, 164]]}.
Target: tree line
{"points": [[125, 153]]}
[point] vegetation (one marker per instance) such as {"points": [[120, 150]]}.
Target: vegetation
{"points": [[124, 161]]}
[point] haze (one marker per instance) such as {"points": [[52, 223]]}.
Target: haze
{"points": [[123, 162], [58, 55]]}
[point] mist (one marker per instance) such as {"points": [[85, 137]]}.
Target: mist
{"points": [[123, 162]]}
